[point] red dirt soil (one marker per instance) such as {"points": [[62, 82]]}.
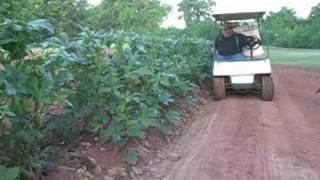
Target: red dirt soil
{"points": [[245, 138]]}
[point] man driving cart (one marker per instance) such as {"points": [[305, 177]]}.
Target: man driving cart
{"points": [[229, 45]]}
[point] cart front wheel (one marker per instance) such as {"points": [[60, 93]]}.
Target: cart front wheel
{"points": [[219, 88], [267, 90]]}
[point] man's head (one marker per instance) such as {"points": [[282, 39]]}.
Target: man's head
{"points": [[228, 29]]}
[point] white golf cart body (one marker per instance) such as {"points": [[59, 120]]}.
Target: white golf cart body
{"points": [[244, 74]]}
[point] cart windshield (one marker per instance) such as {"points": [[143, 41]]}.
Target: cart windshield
{"points": [[247, 24]]}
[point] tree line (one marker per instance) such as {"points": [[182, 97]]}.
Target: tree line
{"points": [[283, 28]]}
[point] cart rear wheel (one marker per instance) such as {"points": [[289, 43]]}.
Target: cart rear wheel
{"points": [[219, 89], [267, 90]]}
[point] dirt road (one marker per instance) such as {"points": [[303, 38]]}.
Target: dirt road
{"points": [[244, 138]]}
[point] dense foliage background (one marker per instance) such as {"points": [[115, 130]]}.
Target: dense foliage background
{"points": [[285, 29], [110, 70], [281, 28]]}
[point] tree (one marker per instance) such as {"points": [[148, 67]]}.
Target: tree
{"points": [[314, 21], [15, 9], [130, 15], [196, 10], [69, 15], [315, 12], [285, 29], [207, 29], [279, 26], [65, 14]]}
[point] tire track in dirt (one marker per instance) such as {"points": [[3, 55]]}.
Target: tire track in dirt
{"points": [[245, 138], [296, 142], [231, 134], [280, 117]]}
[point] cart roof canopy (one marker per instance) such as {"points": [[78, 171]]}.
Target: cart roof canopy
{"points": [[239, 16]]}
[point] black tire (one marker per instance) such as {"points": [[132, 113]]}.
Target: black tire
{"points": [[267, 90], [219, 88]]}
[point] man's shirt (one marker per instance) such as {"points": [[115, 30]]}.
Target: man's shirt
{"points": [[230, 45]]}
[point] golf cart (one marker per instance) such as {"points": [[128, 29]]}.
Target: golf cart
{"points": [[250, 74]]}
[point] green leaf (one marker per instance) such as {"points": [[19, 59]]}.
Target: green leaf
{"points": [[135, 129], [11, 90], [192, 100], [9, 173], [173, 116], [131, 157], [165, 97], [113, 132], [5, 110], [41, 24], [29, 136]]}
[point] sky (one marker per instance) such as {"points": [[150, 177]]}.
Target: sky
{"points": [[302, 8]]}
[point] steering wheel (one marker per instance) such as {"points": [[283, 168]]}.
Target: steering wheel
{"points": [[253, 43]]}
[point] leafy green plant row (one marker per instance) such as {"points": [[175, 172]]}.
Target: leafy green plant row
{"points": [[117, 85]]}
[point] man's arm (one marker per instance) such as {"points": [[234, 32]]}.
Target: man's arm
{"points": [[216, 46], [248, 40], [244, 40]]}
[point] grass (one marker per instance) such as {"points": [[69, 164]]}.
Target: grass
{"points": [[298, 57]]}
